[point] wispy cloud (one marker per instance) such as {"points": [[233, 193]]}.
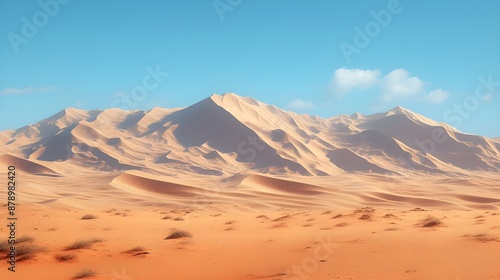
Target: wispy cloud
{"points": [[26, 90], [437, 96], [300, 104], [397, 85], [345, 80]]}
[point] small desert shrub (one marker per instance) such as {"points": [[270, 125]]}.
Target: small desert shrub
{"points": [[341, 225], [431, 222], [282, 218], [5, 246], [135, 250], [82, 244], [24, 238], [64, 257], [483, 237], [365, 217], [85, 273], [89, 217], [26, 252], [179, 219], [179, 234], [230, 222], [167, 217]]}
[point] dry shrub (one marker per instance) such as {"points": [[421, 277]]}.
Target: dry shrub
{"points": [[89, 217], [64, 257], [179, 234], [85, 273], [431, 222], [483, 237], [82, 244]]}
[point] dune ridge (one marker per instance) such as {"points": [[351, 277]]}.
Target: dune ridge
{"points": [[260, 152]]}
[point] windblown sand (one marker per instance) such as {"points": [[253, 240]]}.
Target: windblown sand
{"points": [[378, 233]]}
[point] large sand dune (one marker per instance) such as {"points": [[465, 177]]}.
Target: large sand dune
{"points": [[278, 154], [250, 182]]}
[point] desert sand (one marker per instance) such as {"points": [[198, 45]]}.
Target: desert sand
{"points": [[232, 188]]}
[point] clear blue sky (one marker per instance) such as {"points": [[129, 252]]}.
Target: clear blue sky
{"points": [[427, 57]]}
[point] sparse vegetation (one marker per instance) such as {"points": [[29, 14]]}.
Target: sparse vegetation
{"points": [[23, 251], [179, 219], [282, 218], [4, 247], [89, 217], [167, 217], [483, 237], [179, 234], [82, 244], [64, 257], [27, 252], [85, 273], [431, 222], [365, 217], [135, 250], [24, 238], [341, 225]]}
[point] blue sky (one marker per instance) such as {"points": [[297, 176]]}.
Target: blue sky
{"points": [[437, 58]]}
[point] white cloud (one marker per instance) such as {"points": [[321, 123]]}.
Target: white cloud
{"points": [[301, 104], [398, 84], [437, 96], [345, 80], [30, 89]]}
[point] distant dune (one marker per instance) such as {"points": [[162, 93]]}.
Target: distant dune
{"points": [[249, 150]]}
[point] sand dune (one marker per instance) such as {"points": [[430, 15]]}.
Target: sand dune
{"points": [[244, 134], [203, 192], [25, 165], [281, 155], [132, 182], [281, 185]]}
